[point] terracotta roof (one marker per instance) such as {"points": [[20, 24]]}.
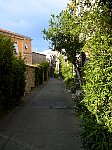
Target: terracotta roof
{"points": [[13, 33]]}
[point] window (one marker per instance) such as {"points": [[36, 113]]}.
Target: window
{"points": [[26, 46], [16, 47]]}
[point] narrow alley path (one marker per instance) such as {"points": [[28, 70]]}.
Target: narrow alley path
{"points": [[44, 121]]}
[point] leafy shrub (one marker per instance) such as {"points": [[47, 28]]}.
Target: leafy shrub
{"points": [[67, 74], [97, 121], [95, 136], [79, 106], [56, 73], [18, 78], [98, 71], [12, 79], [41, 73], [45, 65]]}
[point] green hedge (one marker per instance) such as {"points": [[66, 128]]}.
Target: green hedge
{"points": [[94, 135], [45, 66], [41, 73], [12, 78], [66, 70], [98, 88]]}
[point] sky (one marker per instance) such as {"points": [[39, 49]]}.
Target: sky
{"points": [[29, 18]]}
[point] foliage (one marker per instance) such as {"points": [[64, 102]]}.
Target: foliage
{"points": [[39, 75], [41, 72], [45, 65], [18, 71], [89, 32], [67, 73], [98, 71], [97, 119], [62, 35], [95, 136], [56, 73], [12, 79]]}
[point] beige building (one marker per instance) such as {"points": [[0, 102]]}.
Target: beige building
{"points": [[22, 45]]}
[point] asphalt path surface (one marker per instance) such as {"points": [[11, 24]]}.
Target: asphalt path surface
{"points": [[44, 121]]}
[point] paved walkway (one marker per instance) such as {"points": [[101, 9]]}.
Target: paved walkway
{"points": [[44, 121]]}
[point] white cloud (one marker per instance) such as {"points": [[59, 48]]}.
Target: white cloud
{"points": [[29, 7], [28, 17]]}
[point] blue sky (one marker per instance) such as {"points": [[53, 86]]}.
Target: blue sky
{"points": [[29, 17]]}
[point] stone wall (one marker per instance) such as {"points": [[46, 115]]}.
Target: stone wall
{"points": [[34, 77], [30, 78]]}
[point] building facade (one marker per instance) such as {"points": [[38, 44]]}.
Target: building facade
{"points": [[22, 45], [37, 58]]}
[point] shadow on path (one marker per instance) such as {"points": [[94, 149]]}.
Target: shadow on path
{"points": [[44, 121]]}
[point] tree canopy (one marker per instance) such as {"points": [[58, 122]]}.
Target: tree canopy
{"points": [[89, 31]]}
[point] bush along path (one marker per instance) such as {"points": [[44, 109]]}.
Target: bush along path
{"points": [[12, 77]]}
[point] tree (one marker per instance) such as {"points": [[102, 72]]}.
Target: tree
{"points": [[89, 32], [63, 33]]}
